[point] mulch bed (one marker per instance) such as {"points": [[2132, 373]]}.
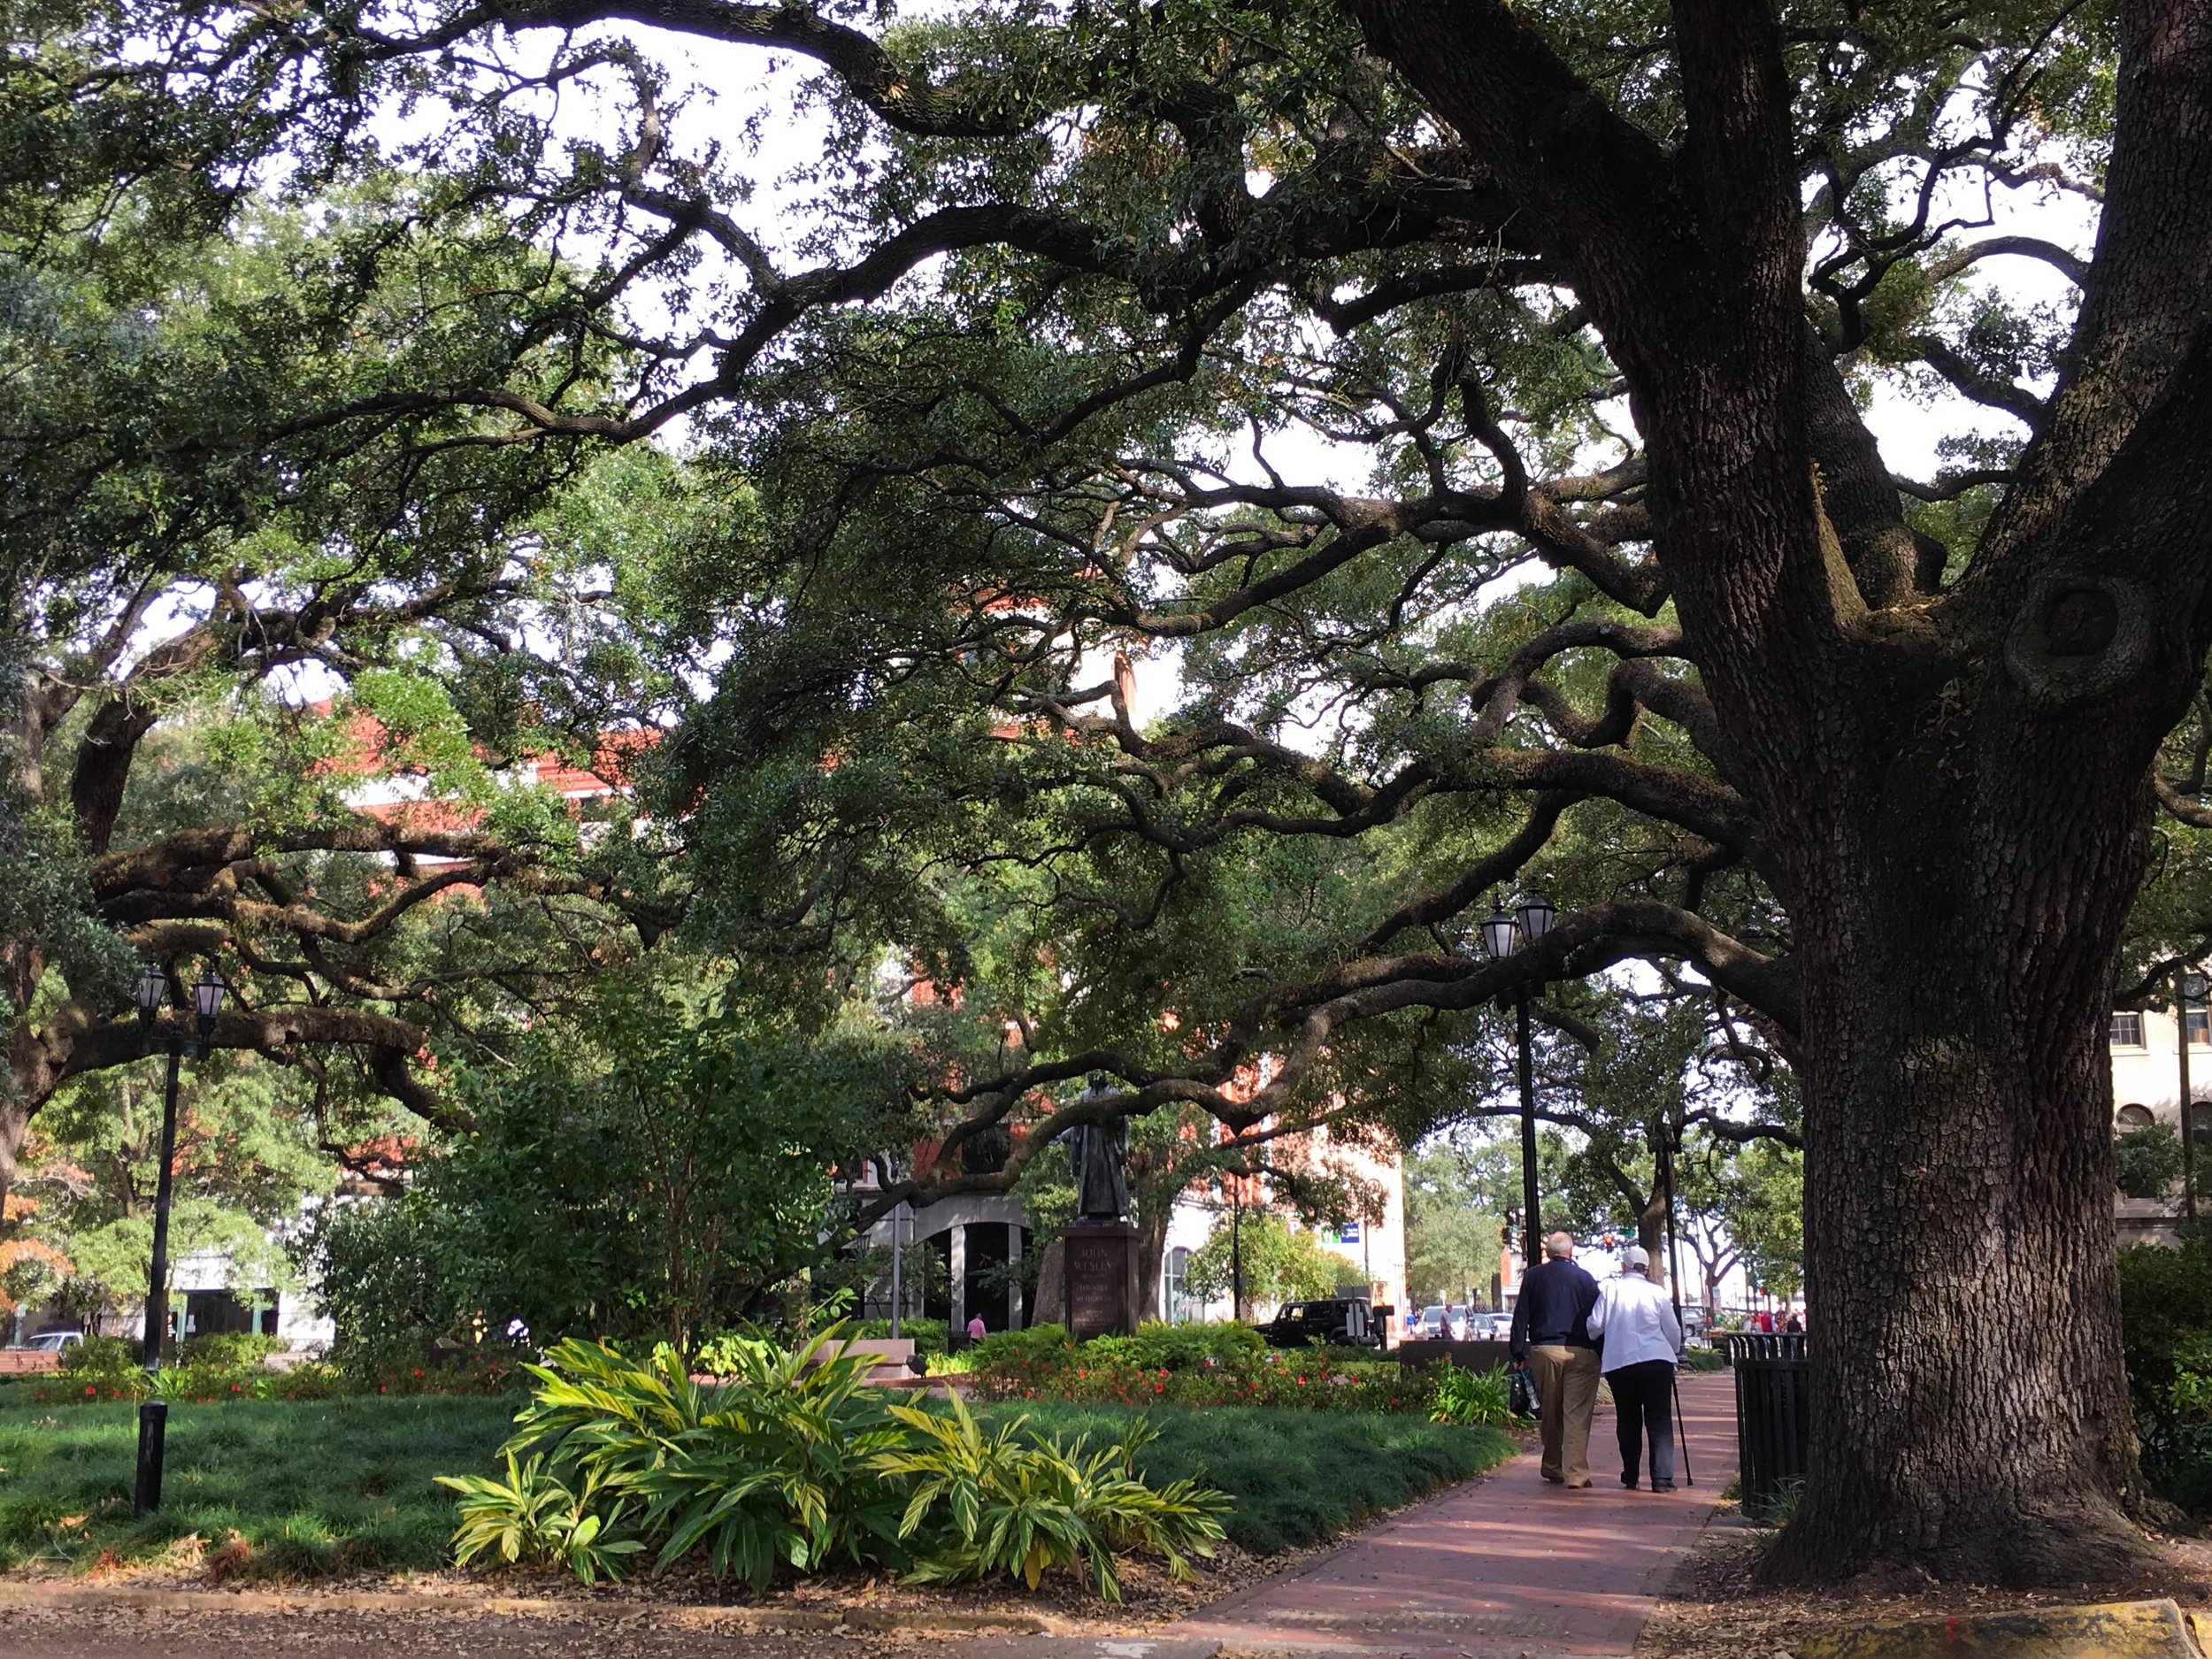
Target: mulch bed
{"points": [[1149, 1597], [1714, 1609]]}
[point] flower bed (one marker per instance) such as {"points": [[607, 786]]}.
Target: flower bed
{"points": [[1225, 1365], [106, 1368], [1319, 1384]]}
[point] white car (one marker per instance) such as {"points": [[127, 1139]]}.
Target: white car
{"points": [[54, 1342]]}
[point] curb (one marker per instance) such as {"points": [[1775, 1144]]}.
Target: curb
{"points": [[1026, 1621], [2113, 1630]]}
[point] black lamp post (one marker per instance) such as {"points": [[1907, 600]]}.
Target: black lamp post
{"points": [[1501, 935], [2192, 990], [207, 1000]]}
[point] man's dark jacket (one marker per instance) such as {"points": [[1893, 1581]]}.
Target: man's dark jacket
{"points": [[1554, 1308]]}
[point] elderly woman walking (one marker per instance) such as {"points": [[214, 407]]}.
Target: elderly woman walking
{"points": [[1642, 1340]]}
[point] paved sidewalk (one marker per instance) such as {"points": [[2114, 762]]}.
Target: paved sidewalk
{"points": [[1509, 1566]]}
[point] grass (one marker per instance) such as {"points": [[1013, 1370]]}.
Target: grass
{"points": [[311, 1490], [328, 1488], [1297, 1477]]}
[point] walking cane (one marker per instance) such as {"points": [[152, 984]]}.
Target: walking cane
{"points": [[1674, 1290]]}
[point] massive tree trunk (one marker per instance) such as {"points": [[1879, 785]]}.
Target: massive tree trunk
{"points": [[1970, 1406]]}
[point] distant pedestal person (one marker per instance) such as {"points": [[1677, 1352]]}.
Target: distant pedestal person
{"points": [[1098, 1280]]}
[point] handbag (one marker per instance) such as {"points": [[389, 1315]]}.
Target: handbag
{"points": [[1521, 1398]]}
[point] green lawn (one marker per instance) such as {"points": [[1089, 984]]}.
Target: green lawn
{"points": [[331, 1486], [344, 1485], [1296, 1476]]}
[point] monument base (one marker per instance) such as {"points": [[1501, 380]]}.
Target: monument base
{"points": [[1098, 1280]]}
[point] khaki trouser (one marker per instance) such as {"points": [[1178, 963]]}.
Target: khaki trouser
{"points": [[1566, 1381]]}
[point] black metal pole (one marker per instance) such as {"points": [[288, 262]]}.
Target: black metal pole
{"points": [[2188, 1127], [1674, 1290], [153, 1415], [153, 1424], [158, 1285], [1530, 1256], [1236, 1252]]}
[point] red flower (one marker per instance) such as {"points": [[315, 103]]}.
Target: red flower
{"points": [[92, 1390], [419, 1371]]}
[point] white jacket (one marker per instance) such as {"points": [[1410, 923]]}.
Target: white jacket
{"points": [[1637, 1322]]}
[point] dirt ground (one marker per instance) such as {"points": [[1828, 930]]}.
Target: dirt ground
{"points": [[1714, 1611], [126, 1633], [613, 1619]]}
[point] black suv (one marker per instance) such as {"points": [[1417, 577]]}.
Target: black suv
{"points": [[1346, 1321]]}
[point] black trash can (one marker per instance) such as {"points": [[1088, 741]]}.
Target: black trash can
{"points": [[1773, 1406]]}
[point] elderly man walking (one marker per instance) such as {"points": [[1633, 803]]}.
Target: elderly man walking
{"points": [[1642, 1343], [1550, 1332]]}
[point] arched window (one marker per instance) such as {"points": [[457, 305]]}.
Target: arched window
{"points": [[2132, 1117]]}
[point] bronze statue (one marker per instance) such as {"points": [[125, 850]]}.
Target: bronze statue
{"points": [[1099, 1153]]}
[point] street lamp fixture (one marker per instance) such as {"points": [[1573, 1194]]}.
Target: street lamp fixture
{"points": [[207, 1001], [149, 994], [1501, 934]]}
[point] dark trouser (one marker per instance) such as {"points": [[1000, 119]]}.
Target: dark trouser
{"points": [[1643, 1403]]}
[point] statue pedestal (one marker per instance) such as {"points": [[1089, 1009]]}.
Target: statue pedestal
{"points": [[1098, 1282]]}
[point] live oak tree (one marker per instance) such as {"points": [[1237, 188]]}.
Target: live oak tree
{"points": [[1091, 306], [226, 622]]}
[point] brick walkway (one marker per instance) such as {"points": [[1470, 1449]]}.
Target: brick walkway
{"points": [[1509, 1566]]}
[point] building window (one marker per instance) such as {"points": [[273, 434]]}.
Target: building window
{"points": [[2199, 1023], [2127, 1029], [2132, 1117], [1172, 1286]]}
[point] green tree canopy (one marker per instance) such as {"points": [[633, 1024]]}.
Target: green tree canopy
{"points": [[649, 1168]]}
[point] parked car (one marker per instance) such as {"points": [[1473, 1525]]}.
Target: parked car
{"points": [[54, 1342], [1433, 1321], [1341, 1320]]}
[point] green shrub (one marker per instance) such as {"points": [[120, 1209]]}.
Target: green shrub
{"points": [[1471, 1397], [769, 1467], [2166, 1337], [91, 1372], [101, 1356], [793, 1463], [1014, 1501], [2146, 1161], [1014, 1348], [1041, 1365], [234, 1349], [535, 1518], [1158, 1347], [1703, 1359]]}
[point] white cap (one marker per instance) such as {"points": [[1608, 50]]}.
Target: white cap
{"points": [[1635, 1255]]}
